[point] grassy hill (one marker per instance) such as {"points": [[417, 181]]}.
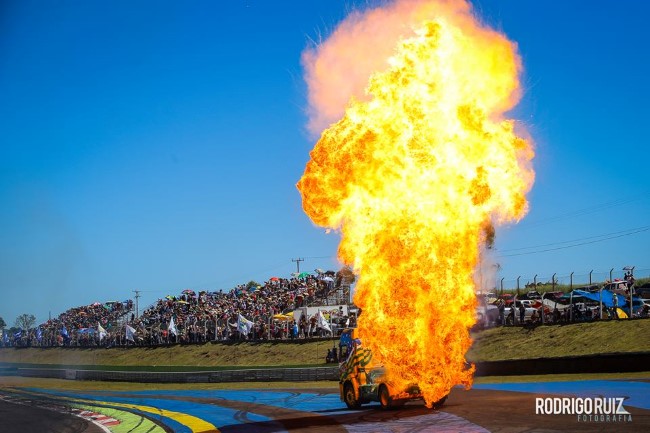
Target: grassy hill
{"points": [[489, 345], [556, 341]]}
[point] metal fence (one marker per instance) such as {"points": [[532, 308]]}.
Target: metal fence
{"points": [[571, 280]]}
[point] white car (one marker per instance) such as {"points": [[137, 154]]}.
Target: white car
{"points": [[527, 314]]}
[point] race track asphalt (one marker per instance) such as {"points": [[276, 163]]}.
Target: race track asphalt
{"points": [[501, 407]]}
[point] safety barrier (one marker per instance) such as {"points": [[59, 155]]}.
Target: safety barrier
{"points": [[248, 375], [607, 363]]}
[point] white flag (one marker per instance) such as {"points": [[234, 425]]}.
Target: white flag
{"points": [[322, 322], [172, 327], [130, 333], [101, 331], [244, 325]]}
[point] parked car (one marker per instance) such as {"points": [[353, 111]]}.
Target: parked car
{"points": [[618, 286], [487, 315], [533, 294], [528, 312]]}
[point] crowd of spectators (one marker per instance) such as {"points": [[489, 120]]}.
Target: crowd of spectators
{"points": [[252, 312], [76, 326], [275, 310]]}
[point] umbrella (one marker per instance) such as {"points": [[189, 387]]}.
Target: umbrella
{"points": [[188, 292], [284, 317], [274, 279], [318, 271], [304, 274], [328, 279]]}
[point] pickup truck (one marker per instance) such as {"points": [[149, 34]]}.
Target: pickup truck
{"points": [[362, 379]]}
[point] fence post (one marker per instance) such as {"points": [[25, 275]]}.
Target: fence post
{"points": [[518, 284], [553, 280], [600, 302], [571, 281], [502, 286], [590, 272], [610, 275]]}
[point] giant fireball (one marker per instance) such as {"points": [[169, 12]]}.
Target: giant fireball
{"points": [[414, 173]]}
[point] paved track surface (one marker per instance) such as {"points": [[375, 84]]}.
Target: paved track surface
{"points": [[504, 407]]}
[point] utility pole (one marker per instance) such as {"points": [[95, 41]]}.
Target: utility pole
{"points": [[298, 260], [137, 296]]}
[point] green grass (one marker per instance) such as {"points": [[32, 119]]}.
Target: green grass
{"points": [[209, 356], [595, 338]]}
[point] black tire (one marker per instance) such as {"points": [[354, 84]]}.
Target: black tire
{"points": [[348, 396], [438, 404], [385, 399]]}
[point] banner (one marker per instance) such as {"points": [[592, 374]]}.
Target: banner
{"points": [[172, 327], [244, 325], [130, 333], [322, 322], [101, 331]]}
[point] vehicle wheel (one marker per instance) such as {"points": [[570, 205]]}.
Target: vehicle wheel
{"points": [[384, 398], [438, 404], [350, 399]]}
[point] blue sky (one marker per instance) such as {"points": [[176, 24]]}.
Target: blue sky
{"points": [[156, 146]]}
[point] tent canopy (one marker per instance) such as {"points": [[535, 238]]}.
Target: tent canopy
{"points": [[607, 297]]}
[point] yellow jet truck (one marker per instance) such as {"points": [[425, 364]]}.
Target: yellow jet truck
{"points": [[362, 379]]}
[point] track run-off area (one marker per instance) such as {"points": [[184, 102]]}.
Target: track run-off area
{"points": [[505, 406]]}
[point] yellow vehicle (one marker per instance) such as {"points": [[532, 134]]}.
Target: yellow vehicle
{"points": [[362, 379]]}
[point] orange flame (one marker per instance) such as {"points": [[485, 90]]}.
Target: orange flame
{"points": [[415, 175]]}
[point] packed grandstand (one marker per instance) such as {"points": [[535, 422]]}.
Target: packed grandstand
{"points": [[301, 307]]}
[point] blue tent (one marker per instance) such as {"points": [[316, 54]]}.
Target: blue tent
{"points": [[607, 297]]}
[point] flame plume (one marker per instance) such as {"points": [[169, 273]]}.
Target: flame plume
{"points": [[415, 175]]}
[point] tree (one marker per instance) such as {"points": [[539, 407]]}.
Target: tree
{"points": [[2, 323], [25, 321], [252, 284]]}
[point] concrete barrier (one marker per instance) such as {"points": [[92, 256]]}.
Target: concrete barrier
{"points": [[249, 375], [606, 363], [610, 363]]}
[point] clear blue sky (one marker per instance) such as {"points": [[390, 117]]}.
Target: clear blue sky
{"points": [[156, 145]]}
